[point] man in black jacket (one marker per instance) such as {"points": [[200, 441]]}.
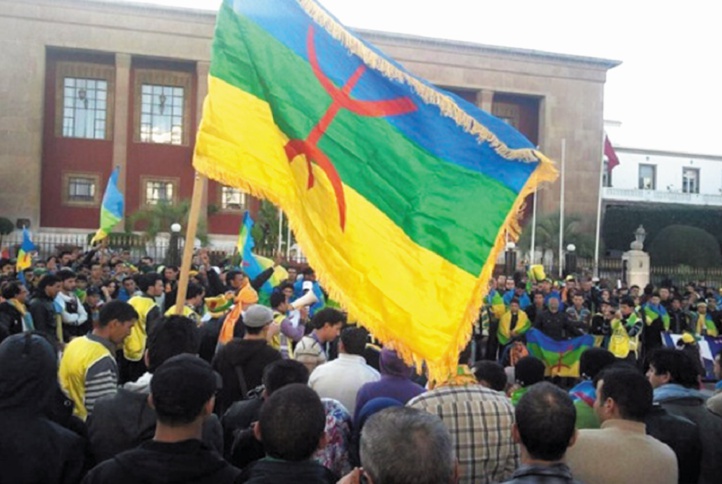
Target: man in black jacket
{"points": [[125, 420], [182, 393], [14, 316], [555, 323], [42, 308], [241, 361]]}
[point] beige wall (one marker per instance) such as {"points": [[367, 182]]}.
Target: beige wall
{"points": [[571, 88]]}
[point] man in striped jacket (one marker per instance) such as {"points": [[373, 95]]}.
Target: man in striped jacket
{"points": [[88, 370]]}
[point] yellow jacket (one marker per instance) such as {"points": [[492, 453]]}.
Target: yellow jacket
{"points": [[134, 344]]}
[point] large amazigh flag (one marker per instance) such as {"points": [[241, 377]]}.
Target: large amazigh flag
{"points": [[399, 193], [561, 358], [111, 210]]}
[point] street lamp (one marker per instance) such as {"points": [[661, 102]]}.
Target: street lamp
{"points": [[173, 249], [510, 259], [571, 259]]}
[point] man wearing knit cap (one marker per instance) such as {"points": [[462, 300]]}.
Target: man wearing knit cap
{"points": [[395, 382], [241, 362]]}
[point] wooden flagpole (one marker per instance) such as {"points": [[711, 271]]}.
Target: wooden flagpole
{"points": [[193, 218]]}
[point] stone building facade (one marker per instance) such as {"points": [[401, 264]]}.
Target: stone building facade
{"points": [[87, 85]]}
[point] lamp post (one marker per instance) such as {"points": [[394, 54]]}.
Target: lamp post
{"points": [[510, 259], [173, 245], [570, 261]]}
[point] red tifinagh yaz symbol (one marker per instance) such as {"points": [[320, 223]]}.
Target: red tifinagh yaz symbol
{"points": [[560, 365], [341, 100]]}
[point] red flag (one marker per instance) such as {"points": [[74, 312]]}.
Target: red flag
{"points": [[5, 254], [612, 159]]}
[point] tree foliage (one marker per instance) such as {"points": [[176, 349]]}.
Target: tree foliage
{"points": [[154, 219], [685, 245], [547, 235]]}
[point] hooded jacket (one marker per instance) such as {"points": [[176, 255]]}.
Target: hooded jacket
{"points": [[125, 420], [33, 448], [690, 404], [154, 462], [42, 308], [252, 357]]}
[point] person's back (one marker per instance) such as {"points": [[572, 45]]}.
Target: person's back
{"points": [[479, 421], [182, 392], [675, 381], [682, 436], [291, 427], [33, 448], [621, 451], [342, 378], [125, 420]]}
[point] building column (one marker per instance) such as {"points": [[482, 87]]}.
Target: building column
{"points": [[202, 70], [122, 97], [485, 100]]}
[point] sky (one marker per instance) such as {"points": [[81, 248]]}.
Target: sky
{"points": [[664, 96]]}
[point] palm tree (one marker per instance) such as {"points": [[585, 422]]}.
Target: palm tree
{"points": [[159, 217], [547, 235]]}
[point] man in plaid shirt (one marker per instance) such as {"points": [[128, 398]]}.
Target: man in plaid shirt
{"points": [[479, 421]]}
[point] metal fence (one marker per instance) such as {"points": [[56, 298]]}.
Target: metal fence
{"points": [[680, 275]]}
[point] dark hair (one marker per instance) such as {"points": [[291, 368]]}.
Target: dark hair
{"points": [[594, 360], [677, 363], [277, 298], [464, 355], [327, 316], [514, 300], [113, 310], [629, 389], [354, 340], [65, 274], [492, 373], [627, 301], [64, 253], [4, 263], [11, 290], [148, 280], [171, 336], [308, 271], [529, 370], [404, 445], [300, 406], [194, 290], [546, 417], [284, 372], [232, 275], [47, 280], [284, 285]]}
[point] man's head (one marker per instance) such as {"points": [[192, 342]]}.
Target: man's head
{"points": [[171, 336], [528, 371], [283, 372], [194, 294], [300, 406], [667, 365], [309, 274], [353, 340], [28, 372], [129, 285], [490, 374], [116, 320], [514, 306], [634, 291], [578, 301], [49, 285], [594, 360], [170, 273], [65, 258], [622, 393], [151, 284], [182, 391], [702, 307], [7, 268], [292, 273], [328, 323], [538, 299], [279, 302], [509, 284], [68, 280], [676, 303], [256, 319], [545, 422], [663, 293], [235, 279], [554, 304], [519, 289], [15, 290], [626, 306], [404, 445]]}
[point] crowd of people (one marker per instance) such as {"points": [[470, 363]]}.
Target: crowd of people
{"points": [[104, 380]]}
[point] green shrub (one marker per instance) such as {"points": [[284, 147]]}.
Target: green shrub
{"points": [[684, 245]]}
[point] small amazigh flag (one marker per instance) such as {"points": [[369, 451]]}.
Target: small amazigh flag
{"points": [[254, 264], [561, 358], [111, 211], [25, 259], [399, 193]]}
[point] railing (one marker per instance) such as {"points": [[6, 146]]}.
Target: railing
{"points": [[660, 196], [679, 276]]}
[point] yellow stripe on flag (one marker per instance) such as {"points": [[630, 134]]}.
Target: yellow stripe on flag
{"points": [[428, 325]]}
